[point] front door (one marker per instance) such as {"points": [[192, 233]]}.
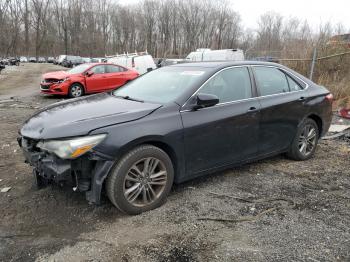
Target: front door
{"points": [[98, 81], [227, 132], [116, 76]]}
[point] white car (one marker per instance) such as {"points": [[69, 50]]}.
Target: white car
{"points": [[141, 62], [61, 59], [23, 59], [205, 54]]}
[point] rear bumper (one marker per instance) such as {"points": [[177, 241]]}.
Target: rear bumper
{"points": [[84, 174]]}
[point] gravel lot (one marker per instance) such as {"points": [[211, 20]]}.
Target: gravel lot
{"points": [[272, 210]]}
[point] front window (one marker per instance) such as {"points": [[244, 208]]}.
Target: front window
{"points": [[79, 69], [162, 85], [99, 69], [229, 85]]}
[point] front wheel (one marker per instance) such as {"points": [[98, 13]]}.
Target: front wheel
{"points": [[141, 180], [76, 90], [305, 141]]}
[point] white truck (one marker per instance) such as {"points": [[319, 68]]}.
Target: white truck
{"points": [[205, 54], [141, 62]]}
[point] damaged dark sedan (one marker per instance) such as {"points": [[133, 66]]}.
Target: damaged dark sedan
{"points": [[174, 124]]}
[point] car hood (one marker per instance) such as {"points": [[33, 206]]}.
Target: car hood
{"points": [[56, 75], [78, 117]]}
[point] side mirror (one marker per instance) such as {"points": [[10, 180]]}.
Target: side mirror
{"points": [[89, 73], [205, 100]]}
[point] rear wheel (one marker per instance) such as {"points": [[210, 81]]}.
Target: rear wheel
{"points": [[76, 90], [141, 180], [305, 141]]}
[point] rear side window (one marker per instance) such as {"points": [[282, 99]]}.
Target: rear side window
{"points": [[270, 80], [114, 69], [293, 86], [229, 85]]}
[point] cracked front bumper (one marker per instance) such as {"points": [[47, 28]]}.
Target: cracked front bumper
{"points": [[85, 174]]}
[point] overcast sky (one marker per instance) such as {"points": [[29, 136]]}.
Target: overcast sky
{"points": [[315, 11]]}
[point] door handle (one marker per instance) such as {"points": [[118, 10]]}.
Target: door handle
{"points": [[252, 109], [302, 98]]}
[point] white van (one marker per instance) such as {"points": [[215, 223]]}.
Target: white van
{"points": [[205, 54], [141, 62]]}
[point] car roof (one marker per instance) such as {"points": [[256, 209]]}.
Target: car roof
{"points": [[222, 64]]}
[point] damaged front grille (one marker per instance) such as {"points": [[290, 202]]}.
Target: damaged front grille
{"points": [[29, 144], [50, 81]]}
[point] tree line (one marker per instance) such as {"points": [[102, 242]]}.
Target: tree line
{"points": [[165, 28]]}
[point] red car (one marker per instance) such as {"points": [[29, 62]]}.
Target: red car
{"points": [[85, 79]]}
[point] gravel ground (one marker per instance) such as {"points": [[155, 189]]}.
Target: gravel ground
{"points": [[271, 210]]}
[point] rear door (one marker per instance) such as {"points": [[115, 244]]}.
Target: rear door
{"points": [[227, 132], [282, 101], [97, 82], [116, 76]]}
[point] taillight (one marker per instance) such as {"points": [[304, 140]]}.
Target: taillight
{"points": [[329, 97]]}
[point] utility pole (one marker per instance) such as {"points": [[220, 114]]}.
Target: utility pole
{"points": [[313, 64]]}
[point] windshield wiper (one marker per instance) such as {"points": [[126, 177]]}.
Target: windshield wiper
{"points": [[130, 98]]}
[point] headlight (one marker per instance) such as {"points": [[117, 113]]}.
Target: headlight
{"points": [[71, 148], [63, 80]]}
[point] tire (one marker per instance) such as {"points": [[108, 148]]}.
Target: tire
{"points": [[131, 189], [304, 147], [76, 90]]}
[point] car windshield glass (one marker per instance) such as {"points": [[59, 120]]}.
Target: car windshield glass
{"points": [[78, 69], [162, 85]]}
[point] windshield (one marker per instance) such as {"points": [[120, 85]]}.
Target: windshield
{"points": [[79, 69], [162, 85]]}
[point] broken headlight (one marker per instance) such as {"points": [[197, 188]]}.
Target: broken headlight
{"points": [[62, 80], [71, 148]]}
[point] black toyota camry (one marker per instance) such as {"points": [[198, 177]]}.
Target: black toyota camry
{"points": [[174, 124]]}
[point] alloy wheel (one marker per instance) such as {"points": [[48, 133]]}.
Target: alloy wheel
{"points": [[145, 181], [307, 140], [76, 91]]}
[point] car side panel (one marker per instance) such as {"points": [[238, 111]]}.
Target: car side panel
{"points": [[319, 106], [280, 117], [163, 126], [220, 135]]}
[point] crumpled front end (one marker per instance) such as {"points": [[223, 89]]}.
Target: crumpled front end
{"points": [[84, 174]]}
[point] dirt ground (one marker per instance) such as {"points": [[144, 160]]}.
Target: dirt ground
{"points": [[272, 210]]}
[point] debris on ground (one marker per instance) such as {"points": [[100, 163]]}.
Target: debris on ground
{"points": [[345, 112], [338, 128], [5, 189]]}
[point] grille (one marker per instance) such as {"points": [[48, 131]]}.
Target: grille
{"points": [[44, 86]]}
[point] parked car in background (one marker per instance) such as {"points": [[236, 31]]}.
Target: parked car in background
{"points": [[141, 62], [60, 59], [13, 61], [41, 59], [85, 79], [32, 59], [71, 61], [266, 59], [4, 61], [168, 61], [23, 59], [87, 60], [50, 59], [98, 60], [172, 125], [2, 67], [205, 54]]}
